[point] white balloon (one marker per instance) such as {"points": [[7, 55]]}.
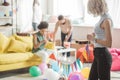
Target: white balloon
{"points": [[51, 75], [43, 55]]}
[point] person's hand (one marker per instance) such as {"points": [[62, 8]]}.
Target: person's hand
{"points": [[90, 37], [45, 41], [54, 42], [65, 40]]}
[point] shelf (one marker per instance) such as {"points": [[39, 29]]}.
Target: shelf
{"points": [[6, 27], [5, 6], [6, 17]]}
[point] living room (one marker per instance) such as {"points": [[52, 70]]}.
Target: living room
{"points": [[17, 29]]}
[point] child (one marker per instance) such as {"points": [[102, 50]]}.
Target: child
{"points": [[39, 41]]}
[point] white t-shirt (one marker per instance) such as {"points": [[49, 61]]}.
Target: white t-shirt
{"points": [[37, 14]]}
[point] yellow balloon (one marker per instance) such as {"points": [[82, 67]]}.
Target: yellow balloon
{"points": [[85, 72]]}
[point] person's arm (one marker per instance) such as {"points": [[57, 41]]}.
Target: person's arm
{"points": [[70, 31], [108, 37], [36, 44], [55, 31]]}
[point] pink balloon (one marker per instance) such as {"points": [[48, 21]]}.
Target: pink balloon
{"points": [[76, 76], [43, 66]]}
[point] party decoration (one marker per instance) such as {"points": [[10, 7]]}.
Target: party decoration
{"points": [[52, 56], [79, 63], [85, 55], [87, 49], [55, 66]]}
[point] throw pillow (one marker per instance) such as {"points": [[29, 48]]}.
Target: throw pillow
{"points": [[4, 42], [27, 40], [16, 46]]}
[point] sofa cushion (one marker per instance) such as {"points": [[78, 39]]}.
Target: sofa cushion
{"points": [[27, 40], [15, 57], [4, 42], [116, 64], [16, 46]]}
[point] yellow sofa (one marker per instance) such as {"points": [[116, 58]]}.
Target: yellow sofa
{"points": [[15, 52]]}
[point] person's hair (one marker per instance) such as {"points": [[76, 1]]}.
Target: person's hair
{"points": [[97, 7], [60, 17], [43, 25]]}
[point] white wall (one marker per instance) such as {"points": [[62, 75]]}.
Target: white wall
{"points": [[80, 32]]}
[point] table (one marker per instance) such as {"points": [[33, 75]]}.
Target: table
{"points": [[63, 58]]}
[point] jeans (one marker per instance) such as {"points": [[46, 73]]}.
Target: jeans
{"points": [[35, 26], [63, 35]]}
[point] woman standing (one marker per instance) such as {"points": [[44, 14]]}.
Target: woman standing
{"points": [[37, 14], [102, 39]]}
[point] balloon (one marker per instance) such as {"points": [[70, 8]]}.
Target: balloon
{"points": [[43, 67], [85, 72], [55, 66], [51, 74], [75, 76], [34, 71], [43, 55]]}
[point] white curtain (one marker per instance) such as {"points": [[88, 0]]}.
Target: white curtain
{"points": [[114, 10], [24, 15], [78, 9]]}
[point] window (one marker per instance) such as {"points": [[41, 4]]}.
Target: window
{"points": [[76, 10], [70, 8], [73, 9]]}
